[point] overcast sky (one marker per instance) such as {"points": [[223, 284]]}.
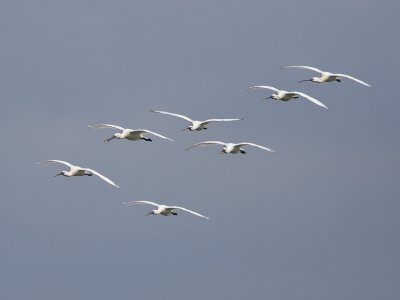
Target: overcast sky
{"points": [[318, 219]]}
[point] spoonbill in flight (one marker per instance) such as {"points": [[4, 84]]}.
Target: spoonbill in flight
{"points": [[196, 125], [164, 210], [129, 134], [325, 76], [284, 95], [230, 147], [77, 171]]}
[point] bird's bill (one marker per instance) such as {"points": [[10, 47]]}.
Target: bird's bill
{"points": [[304, 80], [265, 99], [150, 213], [107, 140], [188, 128], [61, 173]]}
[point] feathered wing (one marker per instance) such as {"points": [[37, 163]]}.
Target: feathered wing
{"points": [[254, 87], [153, 133], [57, 161], [220, 120], [102, 177], [189, 211], [353, 78], [106, 126], [311, 99], [172, 114], [141, 202], [303, 67], [255, 145], [207, 143]]}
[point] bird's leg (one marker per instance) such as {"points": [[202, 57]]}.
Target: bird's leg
{"points": [[147, 139], [242, 151], [174, 213]]}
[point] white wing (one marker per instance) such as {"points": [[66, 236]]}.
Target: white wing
{"points": [[207, 143], [352, 78], [102, 177], [189, 211], [255, 145], [107, 126], [311, 99], [261, 87], [303, 67], [172, 114], [153, 133], [141, 202], [57, 161], [220, 120]]}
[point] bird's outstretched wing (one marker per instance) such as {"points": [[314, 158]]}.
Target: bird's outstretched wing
{"points": [[153, 133], [255, 145], [141, 202], [254, 87], [106, 126], [303, 67], [172, 114], [220, 120], [102, 177], [207, 143], [311, 99], [57, 161], [352, 78], [189, 211]]}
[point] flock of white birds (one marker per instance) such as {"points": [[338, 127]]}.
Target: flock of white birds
{"points": [[232, 148]]}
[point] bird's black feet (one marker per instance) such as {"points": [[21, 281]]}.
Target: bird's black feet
{"points": [[242, 151], [174, 213], [147, 139]]}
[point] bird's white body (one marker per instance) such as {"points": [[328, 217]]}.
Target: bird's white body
{"points": [[78, 171], [283, 95], [231, 148], [326, 76], [129, 134], [164, 210], [195, 125]]}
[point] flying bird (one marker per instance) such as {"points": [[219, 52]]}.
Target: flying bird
{"points": [[129, 134], [284, 95], [195, 125], [164, 210], [230, 147], [325, 76], [78, 171]]}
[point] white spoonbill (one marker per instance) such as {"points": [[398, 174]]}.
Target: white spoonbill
{"points": [[325, 76], [284, 95], [230, 147], [129, 134], [78, 171], [164, 210], [196, 125]]}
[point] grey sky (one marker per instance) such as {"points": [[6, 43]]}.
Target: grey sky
{"points": [[316, 220]]}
